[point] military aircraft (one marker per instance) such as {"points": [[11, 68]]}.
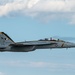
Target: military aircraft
{"points": [[7, 44]]}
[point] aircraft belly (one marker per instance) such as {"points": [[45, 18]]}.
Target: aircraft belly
{"points": [[2, 50]]}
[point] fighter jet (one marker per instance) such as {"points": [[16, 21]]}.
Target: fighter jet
{"points": [[7, 44]]}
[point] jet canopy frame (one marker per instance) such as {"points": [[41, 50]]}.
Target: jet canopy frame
{"points": [[51, 39]]}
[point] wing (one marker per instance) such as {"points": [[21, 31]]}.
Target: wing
{"points": [[26, 45]]}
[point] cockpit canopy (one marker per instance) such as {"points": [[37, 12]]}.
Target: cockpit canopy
{"points": [[51, 39]]}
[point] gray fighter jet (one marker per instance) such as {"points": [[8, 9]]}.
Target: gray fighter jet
{"points": [[7, 44]]}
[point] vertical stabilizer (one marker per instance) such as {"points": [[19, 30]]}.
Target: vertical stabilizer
{"points": [[5, 40]]}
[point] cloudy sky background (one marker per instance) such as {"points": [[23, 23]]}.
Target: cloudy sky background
{"points": [[33, 20], [48, 9]]}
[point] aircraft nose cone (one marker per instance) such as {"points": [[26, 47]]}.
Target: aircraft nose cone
{"points": [[70, 44], [73, 45]]}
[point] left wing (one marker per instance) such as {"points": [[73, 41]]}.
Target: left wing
{"points": [[25, 45]]}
